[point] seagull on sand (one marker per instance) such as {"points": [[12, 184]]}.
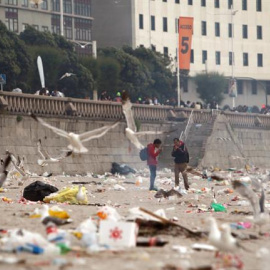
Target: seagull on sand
{"points": [[67, 75], [46, 159], [259, 216], [131, 130], [3, 170], [76, 140], [214, 236]]}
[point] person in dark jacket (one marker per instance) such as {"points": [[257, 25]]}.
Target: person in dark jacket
{"points": [[153, 150], [181, 159]]}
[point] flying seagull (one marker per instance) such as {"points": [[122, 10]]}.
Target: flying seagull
{"points": [[131, 130], [67, 75], [3, 170], [46, 159], [259, 216], [76, 140], [83, 45]]}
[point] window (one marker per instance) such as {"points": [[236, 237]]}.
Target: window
{"points": [[216, 3], [56, 5], [24, 26], [177, 1], [245, 59], [11, 2], [165, 51], [259, 5], [239, 87], [153, 47], [55, 22], [24, 3], [217, 30], [230, 58], [192, 56], [44, 5], [141, 21], [67, 6], [190, 2], [68, 27], [244, 4], [11, 19], [153, 23], [259, 60], [229, 30], [259, 32], [165, 24], [254, 87], [204, 56], [82, 29], [230, 4], [164, 0], [204, 30], [184, 84], [203, 3], [267, 85], [245, 31], [82, 7], [176, 25], [217, 58], [45, 28]]}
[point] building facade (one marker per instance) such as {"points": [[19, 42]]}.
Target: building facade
{"points": [[46, 16], [230, 37]]}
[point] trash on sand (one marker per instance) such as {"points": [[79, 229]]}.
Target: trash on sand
{"points": [[200, 246], [241, 225], [218, 207], [38, 190], [151, 242], [122, 169], [108, 213], [118, 234], [118, 187], [68, 195]]}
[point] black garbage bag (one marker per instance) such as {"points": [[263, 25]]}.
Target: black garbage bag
{"points": [[38, 190], [122, 169]]}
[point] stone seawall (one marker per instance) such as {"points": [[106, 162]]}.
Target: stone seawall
{"points": [[19, 134]]}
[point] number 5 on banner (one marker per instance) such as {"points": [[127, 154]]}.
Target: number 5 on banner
{"points": [[185, 45]]}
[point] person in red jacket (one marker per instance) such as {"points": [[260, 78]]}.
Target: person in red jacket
{"points": [[153, 150]]}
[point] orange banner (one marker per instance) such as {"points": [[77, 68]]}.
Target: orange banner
{"points": [[185, 38]]}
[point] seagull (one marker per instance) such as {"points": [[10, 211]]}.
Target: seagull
{"points": [[131, 130], [3, 170], [259, 216], [166, 194], [83, 45], [46, 159], [74, 139], [228, 242], [67, 75], [80, 195], [214, 236]]}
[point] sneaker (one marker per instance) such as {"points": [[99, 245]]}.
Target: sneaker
{"points": [[182, 191]]}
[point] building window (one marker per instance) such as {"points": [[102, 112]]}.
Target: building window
{"points": [[244, 4], [141, 21], [24, 26], [45, 28], [24, 3], [153, 23], [259, 60], [190, 2], [267, 85], [67, 6], [239, 87], [177, 1], [55, 22], [259, 32], [176, 25], [245, 31], [35, 26], [216, 3], [83, 29], [165, 24], [184, 84], [44, 5], [11, 19], [230, 4], [82, 7], [217, 30], [165, 51], [254, 87], [203, 3], [230, 58], [68, 33], [204, 56], [11, 2], [259, 5], [164, 0], [217, 58], [56, 5], [204, 30], [245, 59], [192, 56], [229, 30], [153, 47]]}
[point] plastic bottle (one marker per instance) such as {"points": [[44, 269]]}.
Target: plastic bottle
{"points": [[35, 249]]}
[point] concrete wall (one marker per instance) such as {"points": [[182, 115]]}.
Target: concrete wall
{"points": [[21, 138]]}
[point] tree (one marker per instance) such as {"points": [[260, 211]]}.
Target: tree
{"points": [[210, 86]]}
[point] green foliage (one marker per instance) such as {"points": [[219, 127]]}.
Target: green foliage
{"points": [[19, 118], [211, 86]]}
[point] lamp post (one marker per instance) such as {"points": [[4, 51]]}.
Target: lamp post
{"points": [[61, 18]]}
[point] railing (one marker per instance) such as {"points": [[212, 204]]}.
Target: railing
{"points": [[184, 134], [52, 106]]}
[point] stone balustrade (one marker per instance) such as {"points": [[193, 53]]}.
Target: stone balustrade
{"points": [[53, 106]]}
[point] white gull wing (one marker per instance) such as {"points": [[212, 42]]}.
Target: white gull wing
{"points": [[56, 130], [127, 110], [131, 135], [96, 133], [40, 71], [44, 155], [249, 194], [3, 170]]}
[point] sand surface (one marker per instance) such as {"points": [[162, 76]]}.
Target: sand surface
{"points": [[15, 215]]}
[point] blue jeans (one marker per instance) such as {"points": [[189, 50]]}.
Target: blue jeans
{"points": [[153, 173]]}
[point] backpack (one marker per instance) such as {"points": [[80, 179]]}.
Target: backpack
{"points": [[144, 154]]}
